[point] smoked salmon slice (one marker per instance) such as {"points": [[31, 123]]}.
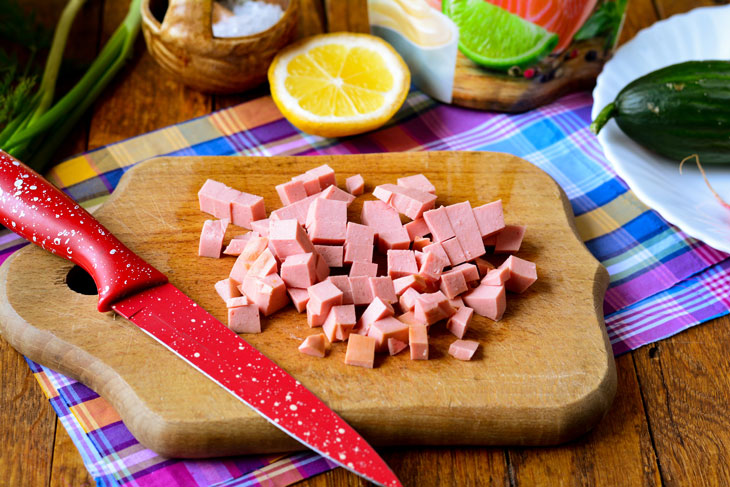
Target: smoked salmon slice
{"points": [[562, 17]]}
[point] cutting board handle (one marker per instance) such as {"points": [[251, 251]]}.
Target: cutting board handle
{"points": [[38, 211]]}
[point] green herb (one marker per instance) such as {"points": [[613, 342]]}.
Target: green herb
{"points": [[20, 33], [20, 28], [605, 21], [38, 125]]}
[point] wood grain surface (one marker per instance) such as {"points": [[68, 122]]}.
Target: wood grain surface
{"points": [[475, 87], [627, 448], [544, 374]]}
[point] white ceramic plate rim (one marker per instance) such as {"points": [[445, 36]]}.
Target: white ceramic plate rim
{"points": [[699, 215]]}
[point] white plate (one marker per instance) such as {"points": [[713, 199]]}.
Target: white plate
{"points": [[683, 200]]}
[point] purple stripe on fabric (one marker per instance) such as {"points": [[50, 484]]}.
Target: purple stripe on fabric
{"points": [[34, 367], [290, 146], [426, 127], [272, 131], [9, 251], [670, 328], [239, 141], [59, 405], [77, 393], [139, 456], [707, 253], [319, 465], [171, 473], [7, 238], [111, 438], [284, 472], [213, 471], [641, 324], [672, 303], [242, 465], [109, 183], [361, 145], [661, 277]]}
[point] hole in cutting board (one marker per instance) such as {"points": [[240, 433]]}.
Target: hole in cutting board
{"points": [[80, 281]]}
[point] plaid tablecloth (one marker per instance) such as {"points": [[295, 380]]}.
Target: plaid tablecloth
{"points": [[662, 281]]}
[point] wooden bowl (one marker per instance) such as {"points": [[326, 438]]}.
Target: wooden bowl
{"points": [[183, 44]]}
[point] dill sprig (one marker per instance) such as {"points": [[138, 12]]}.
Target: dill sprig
{"points": [[33, 123]]}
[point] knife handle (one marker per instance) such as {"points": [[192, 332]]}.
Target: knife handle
{"points": [[38, 211]]}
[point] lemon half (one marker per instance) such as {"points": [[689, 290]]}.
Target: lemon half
{"points": [[338, 84]]}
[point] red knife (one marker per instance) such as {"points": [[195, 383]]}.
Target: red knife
{"points": [[38, 211]]}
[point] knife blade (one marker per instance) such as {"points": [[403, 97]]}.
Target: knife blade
{"points": [[41, 213]]}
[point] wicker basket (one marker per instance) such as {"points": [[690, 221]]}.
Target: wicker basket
{"points": [[184, 45]]}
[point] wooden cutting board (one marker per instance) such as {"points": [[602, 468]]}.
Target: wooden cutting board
{"points": [[544, 374], [479, 88]]}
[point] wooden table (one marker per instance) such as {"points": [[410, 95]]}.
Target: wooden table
{"points": [[669, 424]]}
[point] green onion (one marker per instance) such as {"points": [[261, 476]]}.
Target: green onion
{"points": [[35, 138]]}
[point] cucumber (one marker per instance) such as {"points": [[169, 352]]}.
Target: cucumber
{"points": [[677, 111]]}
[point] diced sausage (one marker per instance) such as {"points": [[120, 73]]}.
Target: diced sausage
{"points": [[382, 287], [396, 346], [359, 234], [325, 174], [299, 270], [453, 283], [401, 263], [369, 269], [299, 297], [453, 249], [496, 277], [417, 228], [323, 296], [509, 239], [314, 345], [244, 319], [355, 185], [227, 289], [215, 198], [418, 342], [386, 328], [211, 238], [339, 323], [490, 218], [487, 301], [343, 284], [291, 192], [461, 217], [335, 193], [439, 224], [310, 182], [410, 202], [459, 323], [247, 208], [287, 238], [463, 349], [522, 274], [360, 351], [268, 293], [358, 253], [408, 299], [361, 292], [417, 181]]}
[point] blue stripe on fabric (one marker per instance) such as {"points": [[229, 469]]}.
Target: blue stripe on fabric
{"points": [[542, 134], [106, 481], [641, 228], [214, 147], [648, 267], [113, 177], [599, 196]]}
